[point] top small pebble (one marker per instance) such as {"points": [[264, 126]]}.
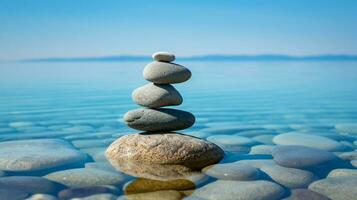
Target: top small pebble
{"points": [[163, 56]]}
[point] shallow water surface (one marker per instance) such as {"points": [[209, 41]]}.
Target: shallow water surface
{"points": [[287, 129]]}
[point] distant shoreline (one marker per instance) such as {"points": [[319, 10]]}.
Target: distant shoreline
{"points": [[233, 58]]}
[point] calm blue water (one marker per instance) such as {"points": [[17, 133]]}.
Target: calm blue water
{"points": [[83, 102]]}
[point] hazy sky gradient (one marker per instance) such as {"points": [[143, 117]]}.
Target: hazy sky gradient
{"points": [[72, 28]]}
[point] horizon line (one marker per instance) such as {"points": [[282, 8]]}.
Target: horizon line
{"points": [[208, 57]]}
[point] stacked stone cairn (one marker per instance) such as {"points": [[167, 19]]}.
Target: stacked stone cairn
{"points": [[158, 144]]}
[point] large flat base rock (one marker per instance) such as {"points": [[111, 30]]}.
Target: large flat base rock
{"points": [[167, 148]]}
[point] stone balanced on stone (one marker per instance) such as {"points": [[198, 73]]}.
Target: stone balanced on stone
{"points": [[157, 144]]}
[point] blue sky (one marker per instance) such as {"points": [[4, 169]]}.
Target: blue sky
{"points": [[73, 28]]}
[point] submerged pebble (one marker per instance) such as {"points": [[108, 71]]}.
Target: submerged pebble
{"points": [[41, 197], [86, 191], [342, 172], [262, 149], [257, 163], [336, 188], [232, 142], [240, 190], [354, 163], [100, 165], [30, 184], [309, 140], [98, 197], [301, 156], [289, 177], [7, 194], [232, 171], [83, 177], [304, 194], [347, 128], [255, 133], [265, 139], [41, 154]]}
